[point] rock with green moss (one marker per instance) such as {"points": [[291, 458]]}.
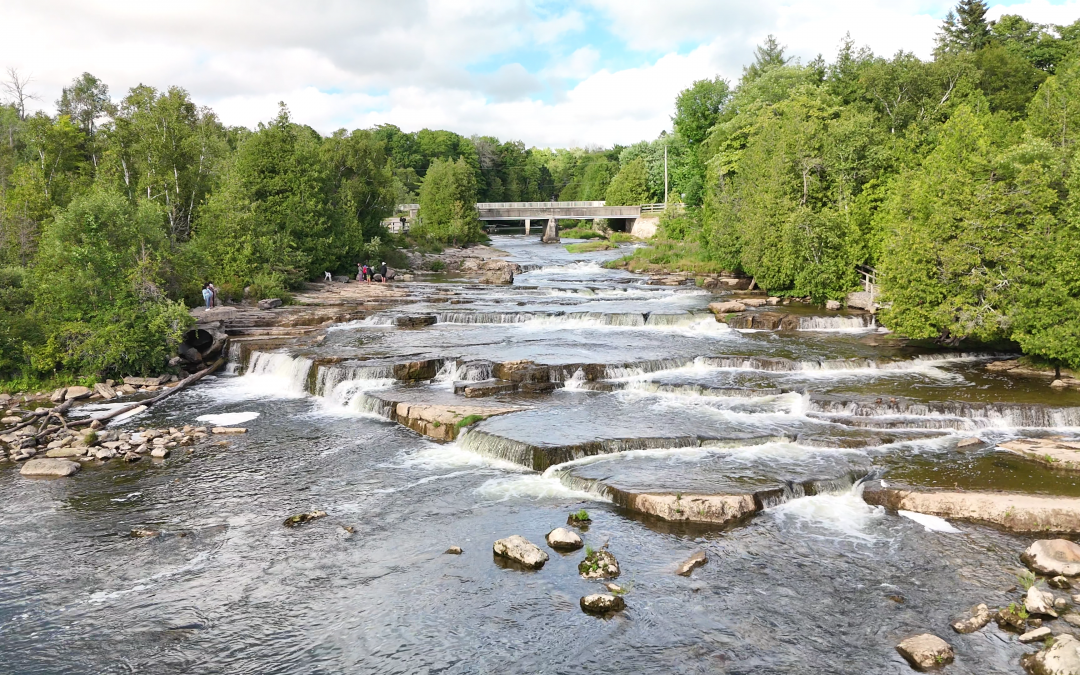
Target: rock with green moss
{"points": [[599, 565]]}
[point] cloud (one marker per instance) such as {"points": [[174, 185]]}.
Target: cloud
{"points": [[548, 72]]}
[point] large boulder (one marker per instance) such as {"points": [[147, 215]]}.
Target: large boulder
{"points": [[926, 651], [104, 390], [562, 539], [50, 468], [269, 303], [521, 551], [602, 603], [77, 393], [498, 272], [1053, 557], [1061, 658]]}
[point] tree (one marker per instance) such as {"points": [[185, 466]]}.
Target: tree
{"points": [[628, 187], [965, 28], [698, 107], [15, 85], [448, 204], [85, 102], [768, 55]]}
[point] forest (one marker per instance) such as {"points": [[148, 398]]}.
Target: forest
{"points": [[955, 178]]}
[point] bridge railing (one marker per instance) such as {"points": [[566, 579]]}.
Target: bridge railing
{"points": [[536, 205]]}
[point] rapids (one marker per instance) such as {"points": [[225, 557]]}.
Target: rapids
{"points": [[650, 394]]}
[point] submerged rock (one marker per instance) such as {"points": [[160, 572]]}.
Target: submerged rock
{"points": [[1061, 658], [926, 651], [971, 442], [453, 550], [695, 561], [301, 518], [1053, 557], [49, 468], [1055, 453], [599, 565], [521, 551], [562, 539], [1010, 511], [1059, 582], [980, 616], [579, 519], [1012, 618], [602, 603]]}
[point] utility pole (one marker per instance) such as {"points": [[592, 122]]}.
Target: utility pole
{"points": [[665, 175]]}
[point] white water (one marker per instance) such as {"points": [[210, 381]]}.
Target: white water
{"points": [[931, 523], [269, 375], [843, 516], [227, 419]]}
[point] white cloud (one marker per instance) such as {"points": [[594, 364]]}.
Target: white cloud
{"points": [[453, 64]]}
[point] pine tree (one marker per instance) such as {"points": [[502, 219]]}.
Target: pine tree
{"points": [[965, 29], [768, 55]]}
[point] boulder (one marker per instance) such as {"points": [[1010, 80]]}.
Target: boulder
{"points": [[10, 420], [602, 603], [66, 452], [498, 272], [270, 303], [1059, 582], [160, 452], [832, 305], [146, 381], [562, 539], [520, 550], [980, 616], [58, 395], [1037, 635], [189, 354], [1053, 557], [49, 468], [77, 393], [1072, 619], [340, 278], [599, 565], [453, 550], [228, 430], [772, 301], [1039, 602], [104, 391], [971, 442], [926, 651], [416, 321], [726, 307], [754, 302], [695, 561], [1061, 658]]}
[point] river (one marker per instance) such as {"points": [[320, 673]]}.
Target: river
{"points": [[811, 584]]}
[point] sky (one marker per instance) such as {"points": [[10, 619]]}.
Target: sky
{"points": [[551, 74]]}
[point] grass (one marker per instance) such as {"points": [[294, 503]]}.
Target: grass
{"points": [[669, 256], [589, 247], [1027, 579], [580, 516], [620, 238], [581, 233], [466, 421]]}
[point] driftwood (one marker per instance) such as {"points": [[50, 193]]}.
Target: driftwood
{"points": [[36, 416], [184, 383]]}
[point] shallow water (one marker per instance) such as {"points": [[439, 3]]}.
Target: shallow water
{"points": [[812, 584]]}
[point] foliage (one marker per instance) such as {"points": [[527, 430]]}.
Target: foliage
{"points": [[589, 247], [581, 233], [629, 186], [698, 107], [447, 204]]}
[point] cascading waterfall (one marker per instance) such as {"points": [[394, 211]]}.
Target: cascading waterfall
{"points": [[944, 414], [464, 371], [837, 323], [291, 370]]}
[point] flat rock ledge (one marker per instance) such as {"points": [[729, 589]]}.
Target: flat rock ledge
{"points": [[1053, 557], [713, 509], [49, 468], [1061, 658], [439, 422], [562, 539], [602, 603], [926, 651], [520, 550], [1009, 511], [1056, 453]]}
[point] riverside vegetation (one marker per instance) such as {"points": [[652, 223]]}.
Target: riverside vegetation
{"points": [[955, 178]]}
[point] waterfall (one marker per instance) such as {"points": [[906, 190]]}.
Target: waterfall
{"points": [[943, 414], [291, 371], [837, 323], [697, 390], [464, 371], [234, 358], [497, 447]]}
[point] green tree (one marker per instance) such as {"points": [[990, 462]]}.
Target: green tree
{"points": [[767, 55], [628, 187], [448, 204], [698, 108], [965, 28]]}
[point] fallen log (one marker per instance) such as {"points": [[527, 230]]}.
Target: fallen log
{"points": [[39, 413], [184, 383]]}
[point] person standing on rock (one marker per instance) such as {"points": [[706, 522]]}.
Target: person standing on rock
{"points": [[206, 295], [382, 271], [213, 294]]}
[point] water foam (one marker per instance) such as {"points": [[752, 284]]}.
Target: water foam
{"points": [[931, 523], [227, 419], [842, 516]]}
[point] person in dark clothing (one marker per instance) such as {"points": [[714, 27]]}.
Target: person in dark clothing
{"points": [[382, 270]]}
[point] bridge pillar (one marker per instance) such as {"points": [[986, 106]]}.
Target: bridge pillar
{"points": [[551, 232], [528, 221]]}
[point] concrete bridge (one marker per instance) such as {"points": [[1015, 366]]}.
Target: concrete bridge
{"points": [[638, 220]]}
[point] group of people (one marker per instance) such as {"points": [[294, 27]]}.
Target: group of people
{"points": [[209, 294], [364, 272]]}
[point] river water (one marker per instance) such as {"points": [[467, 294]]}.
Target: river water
{"points": [[821, 584]]}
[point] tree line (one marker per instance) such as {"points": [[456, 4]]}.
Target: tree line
{"points": [[956, 178]]}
